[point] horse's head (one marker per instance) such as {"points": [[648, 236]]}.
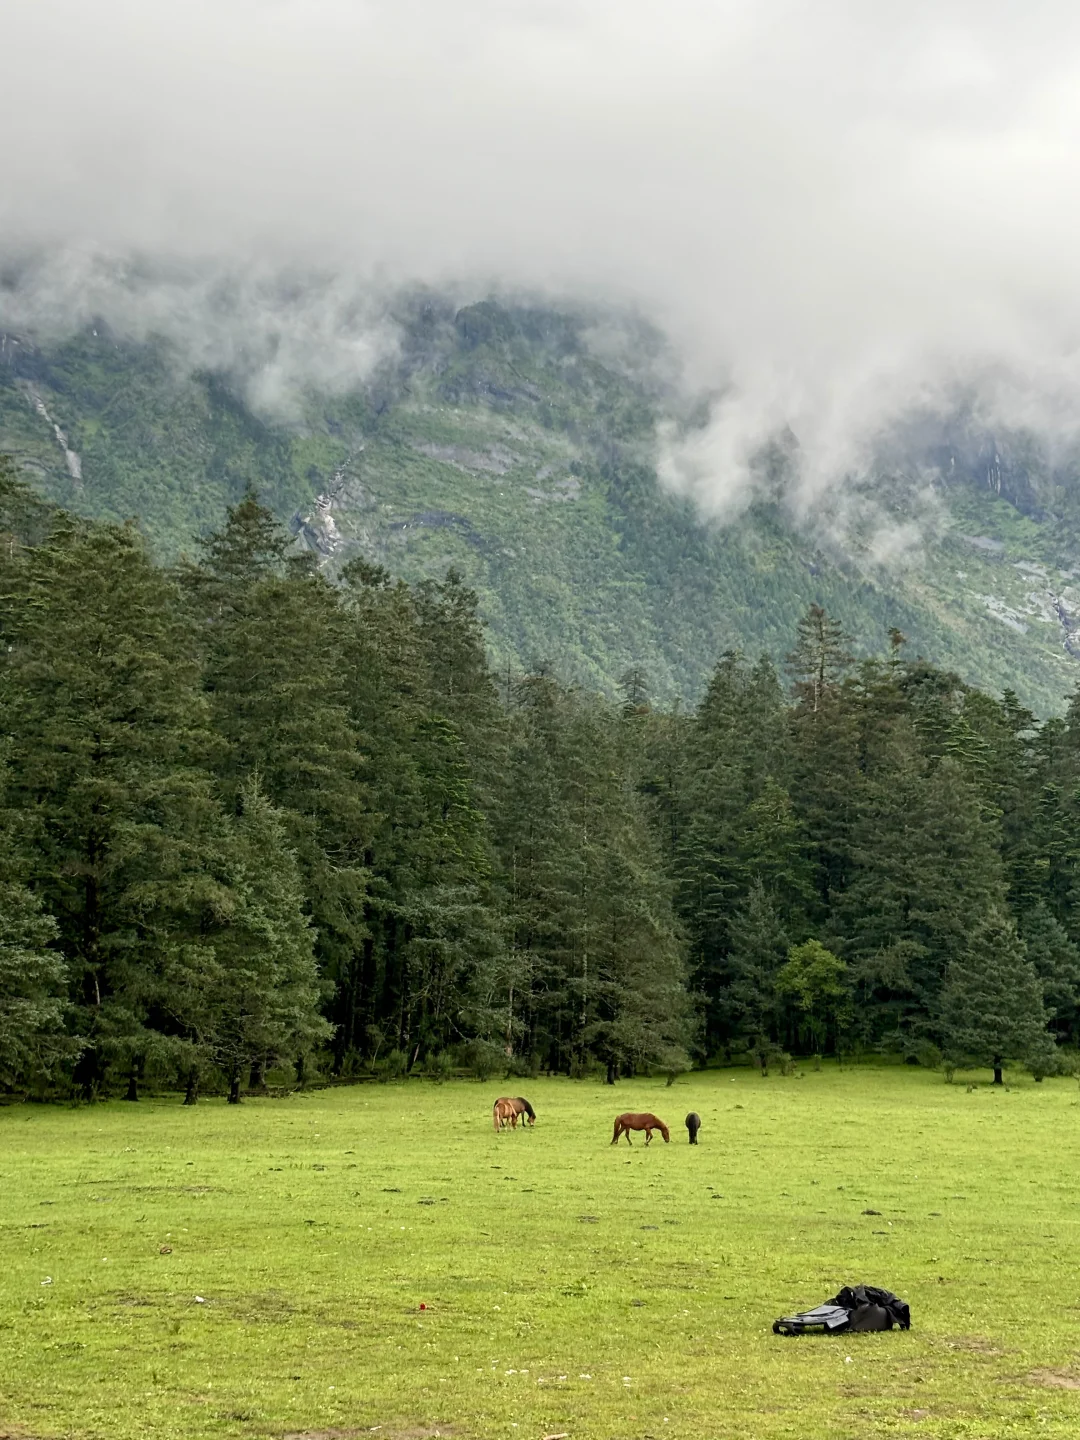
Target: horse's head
{"points": [[666, 1134]]}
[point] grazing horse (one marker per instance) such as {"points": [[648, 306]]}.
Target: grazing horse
{"points": [[625, 1123], [525, 1110], [693, 1124], [508, 1108]]}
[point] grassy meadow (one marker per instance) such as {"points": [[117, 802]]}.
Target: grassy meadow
{"points": [[259, 1271]]}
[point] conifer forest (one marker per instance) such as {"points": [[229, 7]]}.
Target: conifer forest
{"points": [[255, 817]]}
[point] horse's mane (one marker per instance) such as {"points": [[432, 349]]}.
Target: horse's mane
{"points": [[528, 1108]]}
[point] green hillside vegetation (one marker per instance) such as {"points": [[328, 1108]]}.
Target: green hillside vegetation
{"points": [[497, 442]]}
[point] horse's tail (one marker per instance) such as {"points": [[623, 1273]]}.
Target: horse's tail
{"points": [[496, 1113], [526, 1107], [618, 1129]]}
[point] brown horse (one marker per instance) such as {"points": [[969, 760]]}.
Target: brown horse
{"points": [[625, 1123], [508, 1109]]}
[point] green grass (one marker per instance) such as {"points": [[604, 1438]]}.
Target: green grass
{"points": [[570, 1287]]}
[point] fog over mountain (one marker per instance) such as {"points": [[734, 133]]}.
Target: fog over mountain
{"points": [[836, 209]]}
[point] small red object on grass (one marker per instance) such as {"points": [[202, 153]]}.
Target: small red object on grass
{"points": [[422, 1305]]}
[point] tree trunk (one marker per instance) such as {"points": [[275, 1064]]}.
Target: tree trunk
{"points": [[301, 1069], [89, 1073], [136, 1074], [234, 1087], [191, 1095], [997, 1071], [257, 1078], [611, 1072]]}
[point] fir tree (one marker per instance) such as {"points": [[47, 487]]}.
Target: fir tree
{"points": [[1056, 961], [250, 987], [32, 985], [820, 658], [825, 751], [924, 868], [992, 1005], [759, 949], [274, 639], [107, 795]]}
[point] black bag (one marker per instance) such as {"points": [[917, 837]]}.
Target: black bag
{"points": [[856, 1309]]}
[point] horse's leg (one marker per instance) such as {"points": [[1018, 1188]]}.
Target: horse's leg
{"points": [[648, 1136]]}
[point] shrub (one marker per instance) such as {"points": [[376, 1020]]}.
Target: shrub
{"points": [[483, 1058], [439, 1067], [524, 1067], [394, 1066]]}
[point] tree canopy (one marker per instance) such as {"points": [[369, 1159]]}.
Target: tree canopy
{"points": [[256, 815]]}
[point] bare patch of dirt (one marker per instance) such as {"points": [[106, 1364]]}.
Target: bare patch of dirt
{"points": [[1056, 1379], [384, 1432], [327, 1434], [977, 1344]]}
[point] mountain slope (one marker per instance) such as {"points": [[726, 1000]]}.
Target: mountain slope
{"points": [[498, 442]]}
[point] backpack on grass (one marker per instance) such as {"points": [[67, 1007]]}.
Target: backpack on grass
{"points": [[856, 1309]]}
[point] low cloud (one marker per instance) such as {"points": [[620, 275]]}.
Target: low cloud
{"points": [[838, 209], [277, 334]]}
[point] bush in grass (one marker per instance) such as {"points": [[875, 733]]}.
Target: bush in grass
{"points": [[483, 1058], [523, 1067], [764, 1052], [440, 1067], [394, 1066]]}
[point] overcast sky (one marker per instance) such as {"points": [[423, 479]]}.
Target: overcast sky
{"points": [[815, 197]]}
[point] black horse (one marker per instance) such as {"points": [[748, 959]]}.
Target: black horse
{"points": [[693, 1124]]}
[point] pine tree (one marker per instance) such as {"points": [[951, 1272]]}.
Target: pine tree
{"points": [[32, 985], [107, 794], [266, 1005], [992, 1005], [596, 959], [825, 751], [925, 869], [759, 949], [1056, 961], [274, 638], [25, 519], [432, 916], [820, 658], [243, 992], [740, 825]]}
